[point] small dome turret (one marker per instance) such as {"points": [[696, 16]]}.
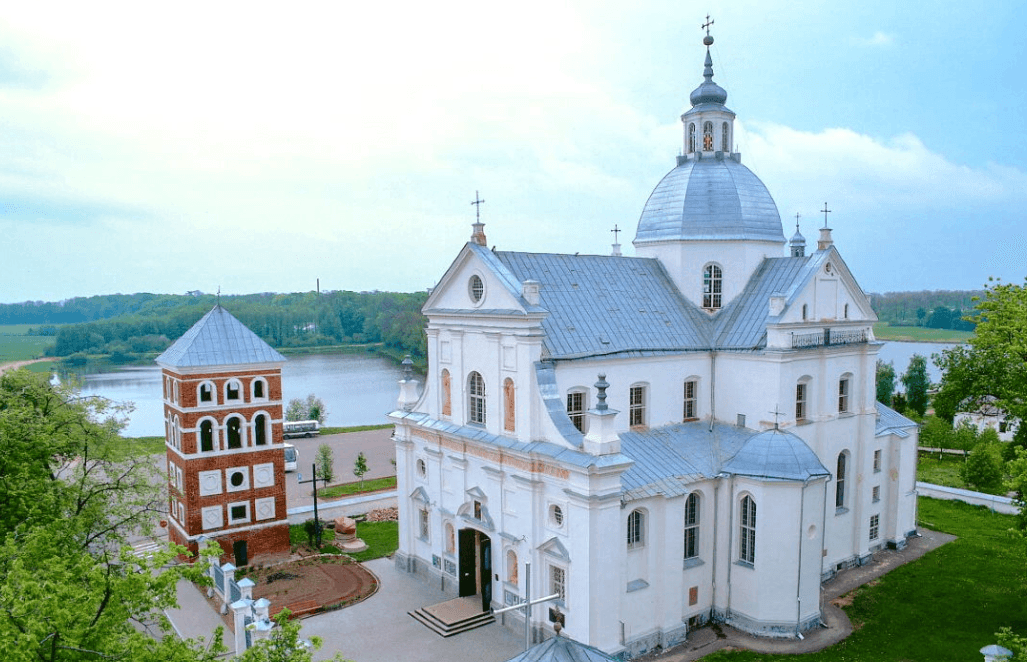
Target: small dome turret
{"points": [[708, 91]]}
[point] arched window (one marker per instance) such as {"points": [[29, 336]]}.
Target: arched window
{"points": [[712, 282], [233, 430], [839, 485], [511, 566], [636, 529], [846, 313], [707, 136], [206, 436], [747, 531], [450, 539], [259, 387], [476, 399], [692, 504], [725, 142], [691, 137], [805, 312], [260, 430], [176, 432], [233, 390], [691, 399], [576, 406], [509, 408], [447, 398], [801, 399], [206, 392]]}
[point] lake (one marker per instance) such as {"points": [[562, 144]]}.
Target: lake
{"points": [[357, 389]]}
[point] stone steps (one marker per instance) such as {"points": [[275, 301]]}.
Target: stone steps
{"points": [[454, 616]]}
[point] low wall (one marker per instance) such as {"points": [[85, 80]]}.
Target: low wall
{"points": [[328, 510], [999, 504]]}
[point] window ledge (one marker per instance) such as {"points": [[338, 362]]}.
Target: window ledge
{"points": [[745, 564], [693, 563], [846, 414], [841, 511], [637, 585], [803, 421]]}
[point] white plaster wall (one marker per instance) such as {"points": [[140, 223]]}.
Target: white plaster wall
{"points": [[685, 261]]}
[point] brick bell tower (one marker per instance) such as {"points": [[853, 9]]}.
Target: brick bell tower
{"points": [[223, 434]]}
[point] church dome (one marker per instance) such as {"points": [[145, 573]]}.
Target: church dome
{"points": [[712, 199], [776, 455]]}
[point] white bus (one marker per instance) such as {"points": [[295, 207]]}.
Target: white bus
{"points": [[292, 457], [300, 429]]}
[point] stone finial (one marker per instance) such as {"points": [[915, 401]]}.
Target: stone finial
{"points": [[407, 386], [825, 240], [602, 437], [478, 234], [601, 386], [408, 367]]}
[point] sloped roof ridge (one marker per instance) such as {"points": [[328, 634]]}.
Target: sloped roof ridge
{"points": [[218, 338]]}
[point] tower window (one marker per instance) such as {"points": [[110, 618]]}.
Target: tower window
{"points": [[232, 390], [206, 392], [234, 432], [476, 399], [839, 486], [712, 287], [206, 436], [259, 388], [691, 137], [725, 143], [260, 430], [707, 136], [636, 529]]}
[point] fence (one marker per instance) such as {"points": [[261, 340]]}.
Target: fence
{"points": [[999, 504]]}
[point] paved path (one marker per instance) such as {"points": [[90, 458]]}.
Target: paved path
{"points": [[195, 618], [704, 641], [380, 630]]}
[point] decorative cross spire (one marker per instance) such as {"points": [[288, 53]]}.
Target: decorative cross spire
{"points": [[777, 414], [796, 221], [615, 232], [707, 24], [478, 202], [825, 211]]}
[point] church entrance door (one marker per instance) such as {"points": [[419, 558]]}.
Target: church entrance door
{"points": [[475, 565]]}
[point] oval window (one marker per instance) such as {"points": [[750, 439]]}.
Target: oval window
{"points": [[477, 288]]}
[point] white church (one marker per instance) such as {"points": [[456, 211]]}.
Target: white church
{"points": [[684, 436]]}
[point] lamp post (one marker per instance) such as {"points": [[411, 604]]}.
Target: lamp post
{"points": [[314, 479]]}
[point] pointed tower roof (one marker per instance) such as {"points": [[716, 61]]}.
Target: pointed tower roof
{"points": [[708, 91], [218, 339]]}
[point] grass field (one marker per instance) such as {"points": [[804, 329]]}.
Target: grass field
{"points": [[943, 607], [16, 346], [382, 539], [354, 428], [882, 331], [945, 471], [370, 485]]}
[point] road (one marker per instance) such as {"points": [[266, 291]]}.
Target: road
{"points": [[376, 445]]}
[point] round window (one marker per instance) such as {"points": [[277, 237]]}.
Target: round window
{"points": [[476, 288], [237, 478], [556, 515]]}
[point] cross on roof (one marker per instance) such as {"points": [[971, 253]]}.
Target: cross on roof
{"points": [[777, 414], [796, 221], [615, 232], [478, 202], [826, 211], [707, 24]]}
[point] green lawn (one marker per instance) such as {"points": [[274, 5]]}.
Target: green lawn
{"points": [[945, 471], [354, 428], [370, 485], [382, 539], [944, 606], [883, 331], [21, 347]]}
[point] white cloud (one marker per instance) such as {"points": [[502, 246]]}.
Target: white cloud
{"points": [[877, 40]]}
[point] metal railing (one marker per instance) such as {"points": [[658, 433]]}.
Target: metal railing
{"points": [[827, 337]]}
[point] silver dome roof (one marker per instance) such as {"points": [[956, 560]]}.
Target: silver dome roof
{"points": [[712, 199], [776, 455]]}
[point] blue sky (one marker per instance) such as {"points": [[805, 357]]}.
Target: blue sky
{"points": [[148, 148]]}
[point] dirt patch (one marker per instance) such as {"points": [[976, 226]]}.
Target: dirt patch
{"points": [[314, 585]]}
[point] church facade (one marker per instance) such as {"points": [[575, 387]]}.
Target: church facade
{"points": [[686, 435]]}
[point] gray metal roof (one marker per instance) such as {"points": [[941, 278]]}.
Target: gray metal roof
{"points": [[218, 339], [470, 432], [668, 458], [562, 649], [742, 324], [602, 305], [713, 199], [776, 455], [890, 421]]}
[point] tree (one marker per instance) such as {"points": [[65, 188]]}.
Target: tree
{"points": [[994, 360], [284, 644], [324, 463], [983, 470], [69, 588], [916, 382], [885, 382], [360, 468], [311, 409]]}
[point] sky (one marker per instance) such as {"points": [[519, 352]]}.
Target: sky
{"points": [[254, 148]]}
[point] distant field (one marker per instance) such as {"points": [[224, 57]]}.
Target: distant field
{"points": [[16, 346], [882, 331]]}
